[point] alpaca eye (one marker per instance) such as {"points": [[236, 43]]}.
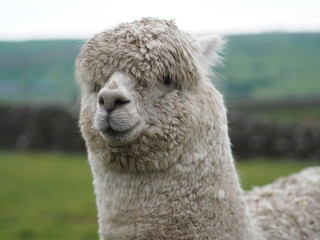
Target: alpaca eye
{"points": [[96, 87], [167, 80]]}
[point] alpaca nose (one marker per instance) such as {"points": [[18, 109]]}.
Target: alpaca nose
{"points": [[112, 99]]}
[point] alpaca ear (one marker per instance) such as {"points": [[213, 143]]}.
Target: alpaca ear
{"points": [[211, 48]]}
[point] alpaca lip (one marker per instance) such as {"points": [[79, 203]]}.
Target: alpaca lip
{"points": [[109, 126], [120, 138], [113, 132], [110, 131], [116, 138], [112, 135]]}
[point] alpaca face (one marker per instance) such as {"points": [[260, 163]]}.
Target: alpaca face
{"points": [[140, 83], [124, 109], [137, 127], [117, 116]]}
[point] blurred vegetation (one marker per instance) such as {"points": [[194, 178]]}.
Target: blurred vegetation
{"points": [[50, 195], [291, 114], [261, 66], [268, 66], [38, 71], [46, 196], [306, 111], [261, 171]]}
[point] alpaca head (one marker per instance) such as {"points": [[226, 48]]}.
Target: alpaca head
{"points": [[145, 93]]}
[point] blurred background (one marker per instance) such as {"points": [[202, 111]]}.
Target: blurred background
{"points": [[270, 80]]}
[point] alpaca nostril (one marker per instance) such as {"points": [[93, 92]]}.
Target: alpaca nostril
{"points": [[101, 100], [117, 102], [120, 102]]}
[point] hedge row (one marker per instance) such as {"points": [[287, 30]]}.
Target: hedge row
{"points": [[40, 128], [55, 128], [252, 136]]}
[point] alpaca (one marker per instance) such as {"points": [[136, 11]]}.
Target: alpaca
{"points": [[158, 145]]}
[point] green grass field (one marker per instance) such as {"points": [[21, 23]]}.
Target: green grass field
{"points": [[293, 114], [50, 195]]}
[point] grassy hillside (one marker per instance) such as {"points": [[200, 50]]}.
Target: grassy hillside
{"points": [[38, 71], [262, 66], [268, 66]]}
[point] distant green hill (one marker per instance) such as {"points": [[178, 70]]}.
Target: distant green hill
{"points": [[38, 71], [261, 66], [268, 66]]}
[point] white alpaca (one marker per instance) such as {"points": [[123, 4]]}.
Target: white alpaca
{"points": [[158, 145]]}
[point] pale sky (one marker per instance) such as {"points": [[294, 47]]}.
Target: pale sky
{"points": [[39, 19]]}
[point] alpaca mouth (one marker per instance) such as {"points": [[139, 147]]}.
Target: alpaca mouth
{"points": [[115, 133], [116, 137]]}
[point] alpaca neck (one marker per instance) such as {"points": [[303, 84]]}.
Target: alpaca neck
{"points": [[216, 181], [200, 195]]}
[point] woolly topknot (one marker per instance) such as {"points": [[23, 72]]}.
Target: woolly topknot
{"points": [[149, 49]]}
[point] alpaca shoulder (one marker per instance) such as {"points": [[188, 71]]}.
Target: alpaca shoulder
{"points": [[288, 208]]}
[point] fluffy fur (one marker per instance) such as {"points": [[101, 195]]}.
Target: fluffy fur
{"points": [[157, 138]]}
